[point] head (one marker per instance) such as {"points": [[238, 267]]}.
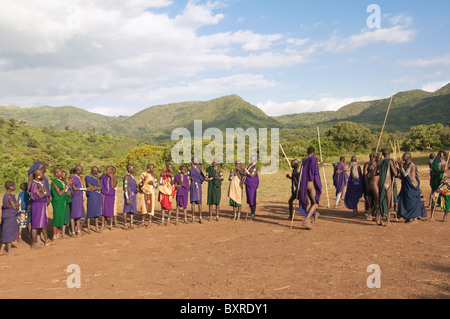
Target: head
{"points": [[72, 171], [342, 159], [432, 156], [38, 175], [386, 153], [43, 168], [130, 168], [406, 157], [169, 167], [311, 151], [150, 168], [371, 157], [238, 164], [24, 187], [214, 163], [354, 160], [10, 186], [78, 169], [113, 169], [57, 172], [442, 155], [63, 175], [109, 170], [183, 169], [294, 164], [195, 160], [94, 170]]}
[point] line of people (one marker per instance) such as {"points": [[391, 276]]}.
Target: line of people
{"points": [[376, 182], [29, 212]]}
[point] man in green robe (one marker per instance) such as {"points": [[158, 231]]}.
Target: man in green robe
{"points": [[214, 177], [387, 187], [438, 184]]}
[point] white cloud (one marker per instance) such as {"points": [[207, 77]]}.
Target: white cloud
{"points": [[434, 86], [437, 61], [398, 33], [273, 108], [204, 87]]}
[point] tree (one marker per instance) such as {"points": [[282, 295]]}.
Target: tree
{"points": [[351, 137], [424, 137]]}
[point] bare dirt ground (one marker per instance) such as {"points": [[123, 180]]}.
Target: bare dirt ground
{"points": [[236, 260]]}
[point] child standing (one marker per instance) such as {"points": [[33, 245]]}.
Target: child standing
{"points": [[23, 217], [182, 187], [9, 218]]}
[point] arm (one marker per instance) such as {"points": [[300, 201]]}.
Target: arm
{"points": [[12, 203], [56, 188]]}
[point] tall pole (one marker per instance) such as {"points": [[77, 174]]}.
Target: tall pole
{"points": [[385, 120], [321, 160]]}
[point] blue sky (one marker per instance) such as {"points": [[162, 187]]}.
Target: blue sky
{"points": [[117, 58]]}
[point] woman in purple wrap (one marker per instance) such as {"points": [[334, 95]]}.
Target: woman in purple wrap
{"points": [[251, 185]]}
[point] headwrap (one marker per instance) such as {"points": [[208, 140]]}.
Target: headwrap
{"points": [[34, 167]]}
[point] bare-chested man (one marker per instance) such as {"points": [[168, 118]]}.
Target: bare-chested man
{"points": [[388, 173], [374, 173], [438, 176], [294, 185], [368, 199]]}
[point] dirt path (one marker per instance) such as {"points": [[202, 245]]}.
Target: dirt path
{"points": [[226, 259]]}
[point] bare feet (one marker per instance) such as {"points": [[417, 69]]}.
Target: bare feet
{"points": [[307, 224]]}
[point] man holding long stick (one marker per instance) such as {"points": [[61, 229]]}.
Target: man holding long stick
{"points": [[294, 185]]}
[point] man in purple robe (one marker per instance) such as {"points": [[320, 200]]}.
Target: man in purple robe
{"points": [[130, 191], [340, 178], [310, 186], [108, 194], [251, 185], [197, 178]]}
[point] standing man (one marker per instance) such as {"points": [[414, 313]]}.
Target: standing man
{"points": [[368, 198], [197, 178], [310, 186], [130, 190], [387, 187], [340, 179], [77, 206], [294, 185], [214, 177]]}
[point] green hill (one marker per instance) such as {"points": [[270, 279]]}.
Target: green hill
{"points": [[59, 117], [155, 124], [21, 145]]}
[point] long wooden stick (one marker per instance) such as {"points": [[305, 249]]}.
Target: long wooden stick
{"points": [[385, 120], [399, 151], [285, 156], [321, 160]]}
